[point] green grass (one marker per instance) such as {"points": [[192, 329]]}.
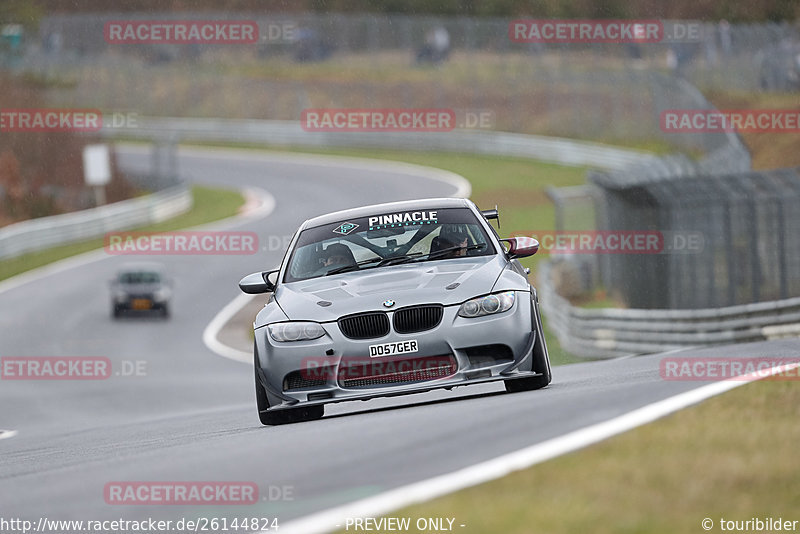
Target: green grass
{"points": [[209, 205], [597, 299], [732, 457]]}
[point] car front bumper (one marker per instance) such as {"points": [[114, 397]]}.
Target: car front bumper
{"points": [[458, 352], [143, 304]]}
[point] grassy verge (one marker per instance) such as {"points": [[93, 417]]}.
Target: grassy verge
{"points": [[731, 457], [516, 185], [770, 150], [525, 93], [597, 299], [209, 205]]}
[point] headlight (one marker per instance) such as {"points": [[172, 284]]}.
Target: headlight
{"points": [[161, 295], [488, 305], [296, 331]]}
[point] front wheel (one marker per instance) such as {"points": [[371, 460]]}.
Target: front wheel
{"points": [[541, 361], [526, 384], [285, 416]]}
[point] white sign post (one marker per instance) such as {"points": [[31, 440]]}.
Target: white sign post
{"points": [[97, 170]]}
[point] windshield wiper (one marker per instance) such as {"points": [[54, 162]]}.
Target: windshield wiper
{"points": [[380, 262], [354, 266], [399, 259], [406, 258], [436, 254]]}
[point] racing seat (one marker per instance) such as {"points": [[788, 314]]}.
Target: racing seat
{"points": [[437, 244]]}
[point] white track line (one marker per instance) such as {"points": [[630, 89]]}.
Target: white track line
{"points": [[334, 519], [211, 333], [5, 434], [261, 204]]}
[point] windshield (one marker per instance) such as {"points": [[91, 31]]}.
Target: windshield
{"points": [[140, 277], [387, 239]]}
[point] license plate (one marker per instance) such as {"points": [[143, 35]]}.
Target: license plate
{"points": [[390, 349], [141, 304]]}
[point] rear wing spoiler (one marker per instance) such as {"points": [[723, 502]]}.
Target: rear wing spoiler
{"points": [[492, 214]]}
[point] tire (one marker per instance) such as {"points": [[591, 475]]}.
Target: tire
{"points": [[284, 416], [165, 311], [541, 361], [115, 312]]}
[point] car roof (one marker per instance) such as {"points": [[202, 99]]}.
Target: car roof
{"points": [[380, 209]]}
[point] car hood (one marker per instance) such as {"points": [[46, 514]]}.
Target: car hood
{"points": [[444, 282]]}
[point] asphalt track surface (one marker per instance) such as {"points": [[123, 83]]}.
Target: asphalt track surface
{"points": [[192, 417]]}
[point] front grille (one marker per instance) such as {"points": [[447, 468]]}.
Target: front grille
{"points": [[302, 380], [417, 318], [364, 325], [385, 372]]}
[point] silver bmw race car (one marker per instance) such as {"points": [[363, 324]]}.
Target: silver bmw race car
{"points": [[393, 299]]}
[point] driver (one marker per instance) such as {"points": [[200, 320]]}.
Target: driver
{"points": [[451, 235], [337, 255]]}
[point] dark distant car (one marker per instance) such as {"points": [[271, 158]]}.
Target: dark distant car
{"points": [[140, 288], [395, 299]]}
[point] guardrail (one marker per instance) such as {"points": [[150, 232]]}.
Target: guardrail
{"points": [[289, 133], [613, 332], [39, 234]]}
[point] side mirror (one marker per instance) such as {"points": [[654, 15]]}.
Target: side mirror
{"points": [[521, 247], [257, 283]]}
